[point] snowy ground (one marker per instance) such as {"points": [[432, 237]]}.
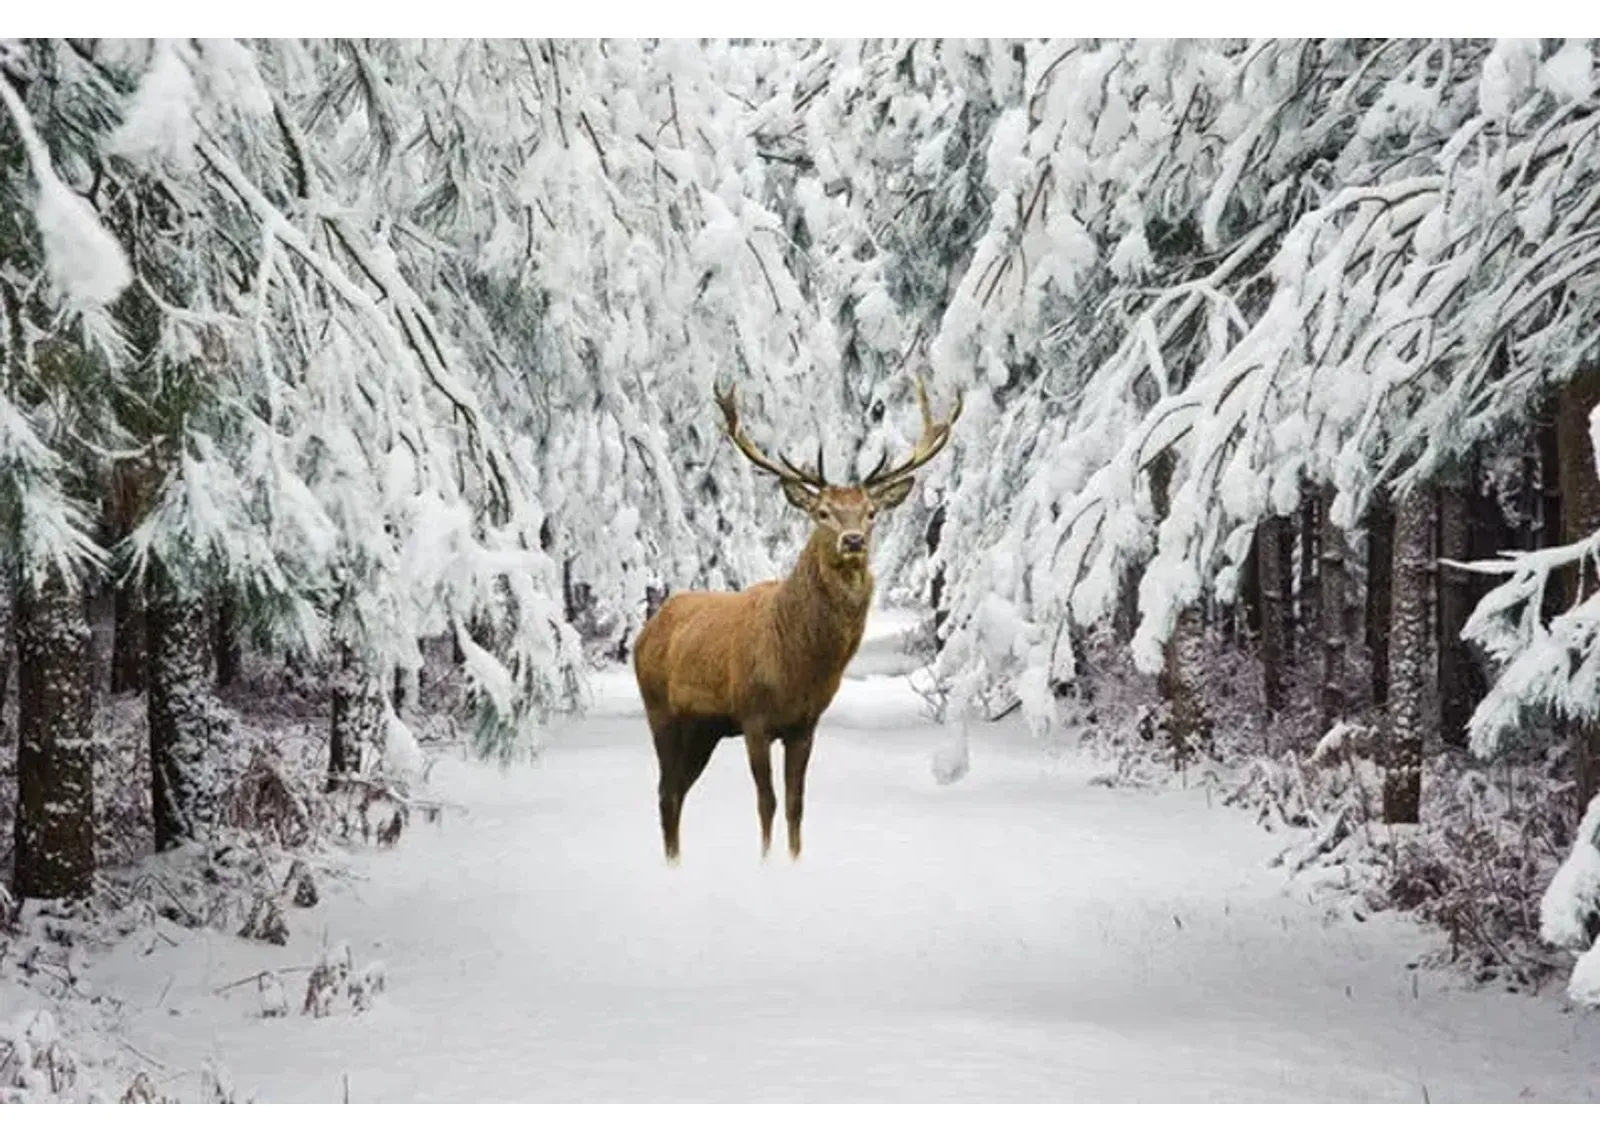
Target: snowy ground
{"points": [[1020, 935]]}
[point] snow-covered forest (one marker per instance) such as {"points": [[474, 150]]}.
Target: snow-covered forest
{"points": [[357, 409]]}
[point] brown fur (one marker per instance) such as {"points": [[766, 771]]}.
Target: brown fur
{"points": [[763, 663]]}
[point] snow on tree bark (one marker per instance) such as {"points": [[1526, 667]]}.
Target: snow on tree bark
{"points": [[1310, 592], [1188, 725], [54, 852], [1408, 657], [355, 717], [178, 665], [1183, 661], [936, 581]]}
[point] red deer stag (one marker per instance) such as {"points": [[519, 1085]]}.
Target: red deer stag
{"points": [[765, 662]]}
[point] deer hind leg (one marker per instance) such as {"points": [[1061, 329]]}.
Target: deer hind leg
{"points": [[796, 757], [759, 747]]}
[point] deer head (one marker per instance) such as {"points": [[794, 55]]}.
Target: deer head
{"points": [[844, 514]]}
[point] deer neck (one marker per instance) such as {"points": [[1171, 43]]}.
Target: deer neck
{"points": [[822, 609]]}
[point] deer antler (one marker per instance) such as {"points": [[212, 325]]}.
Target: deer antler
{"points": [[935, 435], [782, 468]]}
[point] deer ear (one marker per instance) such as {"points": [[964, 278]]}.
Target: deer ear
{"points": [[799, 495], [893, 495]]}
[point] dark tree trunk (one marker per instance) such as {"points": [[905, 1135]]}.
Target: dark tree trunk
{"points": [[1380, 591], [8, 612], [1285, 537], [128, 637], [1182, 670], [178, 665], [1126, 619], [1333, 609], [1580, 513], [353, 727], [1274, 611], [1408, 645], [1310, 592], [1183, 673], [1551, 515], [1463, 535], [54, 854], [1248, 606], [941, 613], [226, 648]]}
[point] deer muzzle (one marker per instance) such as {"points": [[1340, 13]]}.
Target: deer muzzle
{"points": [[852, 543]]}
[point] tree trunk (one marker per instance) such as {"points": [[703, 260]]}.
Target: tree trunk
{"points": [[1380, 591], [1183, 673], [1125, 620], [1580, 515], [1333, 611], [225, 645], [128, 638], [353, 727], [1248, 605], [177, 664], [8, 611], [1285, 538], [1461, 682], [1183, 665], [1408, 645], [1274, 611], [1551, 528], [1310, 592], [54, 855], [941, 613]]}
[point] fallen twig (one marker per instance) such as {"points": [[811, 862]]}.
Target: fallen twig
{"points": [[254, 977], [145, 1056]]}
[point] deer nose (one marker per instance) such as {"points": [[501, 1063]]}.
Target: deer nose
{"points": [[852, 542]]}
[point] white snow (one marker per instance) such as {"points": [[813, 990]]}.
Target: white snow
{"points": [[86, 264], [160, 121], [1573, 896], [951, 759], [1569, 74], [1022, 935]]}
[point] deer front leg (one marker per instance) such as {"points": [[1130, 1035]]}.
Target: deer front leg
{"points": [[796, 756], [760, 749]]}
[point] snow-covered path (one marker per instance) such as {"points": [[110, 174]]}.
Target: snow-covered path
{"points": [[1021, 935]]}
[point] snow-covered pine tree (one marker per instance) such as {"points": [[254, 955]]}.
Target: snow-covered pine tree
{"points": [[59, 270]]}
